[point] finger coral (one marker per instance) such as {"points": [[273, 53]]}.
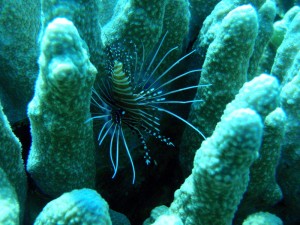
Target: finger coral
{"points": [[84, 206], [62, 155], [10, 208], [11, 163], [231, 67], [220, 175]]}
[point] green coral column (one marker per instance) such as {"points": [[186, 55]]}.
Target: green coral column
{"points": [[262, 218], [12, 164], [19, 27], [263, 191], [84, 206], [225, 68], [287, 51], [61, 157], [289, 166], [211, 194], [9, 205], [86, 17], [135, 20], [266, 14]]}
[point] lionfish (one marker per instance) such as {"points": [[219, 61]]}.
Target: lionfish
{"points": [[132, 100]]}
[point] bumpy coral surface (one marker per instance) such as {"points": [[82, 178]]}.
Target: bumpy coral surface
{"points": [[8, 200], [221, 171], [84, 206], [62, 153], [262, 218], [11, 161], [239, 63]]}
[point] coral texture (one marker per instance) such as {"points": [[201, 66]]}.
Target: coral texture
{"points": [[19, 27], [289, 166], [8, 201], [262, 218], [220, 175], [239, 63], [62, 153], [11, 161], [226, 59], [84, 206]]}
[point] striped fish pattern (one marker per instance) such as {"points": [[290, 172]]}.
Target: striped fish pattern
{"points": [[122, 101]]}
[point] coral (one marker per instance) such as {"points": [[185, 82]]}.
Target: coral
{"points": [[168, 220], [62, 152], [106, 10], [146, 21], [262, 218], [200, 9], [11, 161], [162, 215], [281, 26], [84, 206], [279, 30], [220, 175], [155, 213], [19, 27], [250, 66], [263, 181], [149, 20], [284, 5], [289, 167], [263, 190], [260, 94], [8, 202], [227, 59], [266, 14], [86, 17], [213, 22], [176, 23], [118, 218], [287, 50]]}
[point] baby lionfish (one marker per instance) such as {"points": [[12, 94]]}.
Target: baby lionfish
{"points": [[132, 101]]}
